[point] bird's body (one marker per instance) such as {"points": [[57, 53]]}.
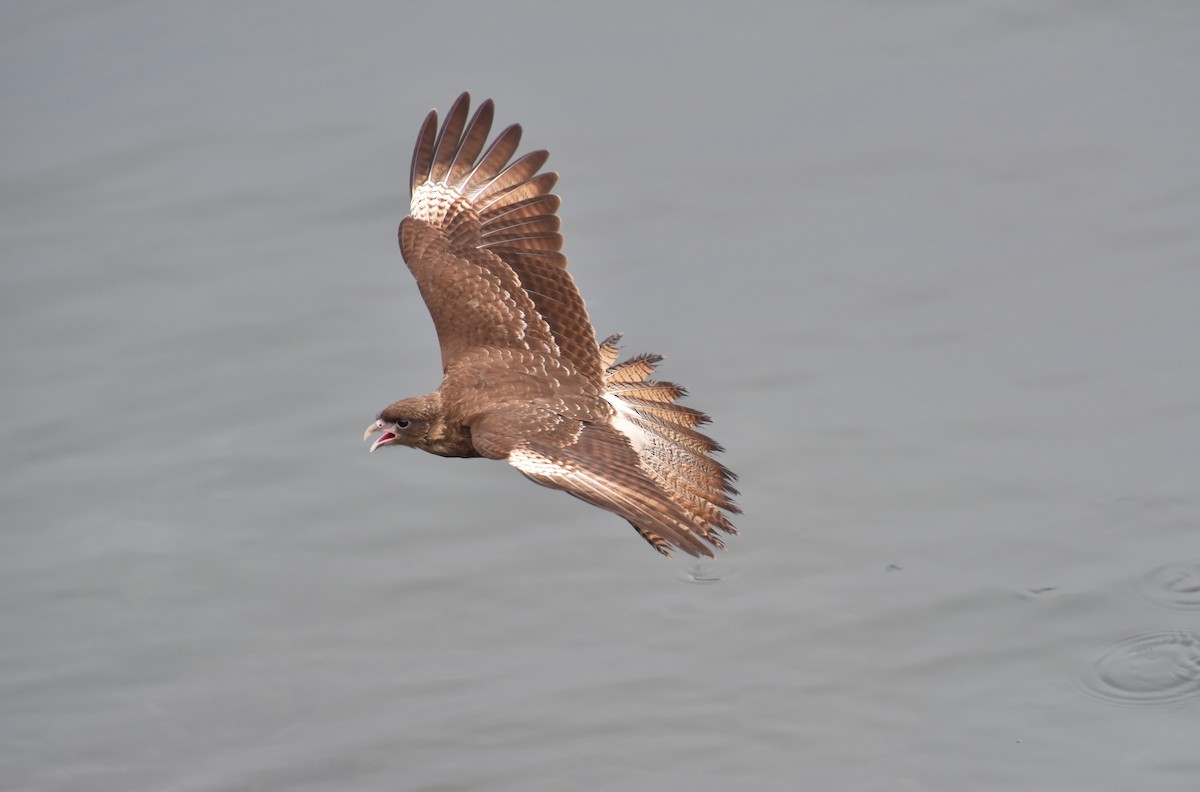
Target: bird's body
{"points": [[524, 379]]}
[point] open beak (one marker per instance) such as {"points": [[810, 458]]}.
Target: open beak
{"points": [[384, 439]]}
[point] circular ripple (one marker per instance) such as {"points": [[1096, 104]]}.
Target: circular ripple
{"points": [[1154, 670], [706, 573], [1173, 585]]}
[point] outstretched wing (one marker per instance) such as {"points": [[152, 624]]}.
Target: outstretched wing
{"points": [[595, 463], [483, 243]]}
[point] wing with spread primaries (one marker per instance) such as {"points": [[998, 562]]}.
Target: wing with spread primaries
{"points": [[483, 243]]}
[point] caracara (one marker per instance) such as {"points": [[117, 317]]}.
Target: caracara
{"points": [[523, 376]]}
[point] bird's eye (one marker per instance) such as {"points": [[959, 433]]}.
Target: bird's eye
{"points": [[402, 423]]}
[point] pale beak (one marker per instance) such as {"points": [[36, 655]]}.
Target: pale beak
{"points": [[377, 426], [384, 439]]}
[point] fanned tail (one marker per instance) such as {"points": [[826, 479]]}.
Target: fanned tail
{"points": [[670, 448]]}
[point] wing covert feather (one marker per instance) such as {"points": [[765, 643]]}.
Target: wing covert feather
{"points": [[473, 298]]}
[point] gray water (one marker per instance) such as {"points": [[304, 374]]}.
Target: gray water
{"points": [[934, 268]]}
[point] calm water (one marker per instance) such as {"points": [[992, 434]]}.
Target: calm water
{"points": [[934, 268]]}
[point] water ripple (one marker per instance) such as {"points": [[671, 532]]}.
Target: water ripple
{"points": [[706, 573], [1152, 670], [1174, 585]]}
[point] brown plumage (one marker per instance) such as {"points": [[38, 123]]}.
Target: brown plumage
{"points": [[524, 379]]}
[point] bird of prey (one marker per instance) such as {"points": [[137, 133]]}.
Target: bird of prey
{"points": [[523, 376]]}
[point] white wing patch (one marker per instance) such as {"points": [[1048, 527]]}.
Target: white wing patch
{"points": [[639, 438], [594, 488], [432, 201], [538, 466]]}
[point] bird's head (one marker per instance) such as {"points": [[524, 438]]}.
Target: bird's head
{"points": [[409, 422]]}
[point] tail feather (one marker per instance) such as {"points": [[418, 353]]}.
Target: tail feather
{"points": [[661, 392], [670, 449], [608, 354], [680, 435], [635, 369], [675, 414]]}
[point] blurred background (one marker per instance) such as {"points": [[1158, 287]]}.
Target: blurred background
{"points": [[934, 268]]}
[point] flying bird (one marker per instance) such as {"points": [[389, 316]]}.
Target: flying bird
{"points": [[523, 376]]}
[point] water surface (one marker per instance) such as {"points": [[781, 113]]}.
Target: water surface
{"points": [[933, 268]]}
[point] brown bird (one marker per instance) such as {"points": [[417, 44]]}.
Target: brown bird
{"points": [[524, 379]]}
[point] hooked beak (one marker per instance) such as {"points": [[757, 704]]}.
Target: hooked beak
{"points": [[384, 439]]}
